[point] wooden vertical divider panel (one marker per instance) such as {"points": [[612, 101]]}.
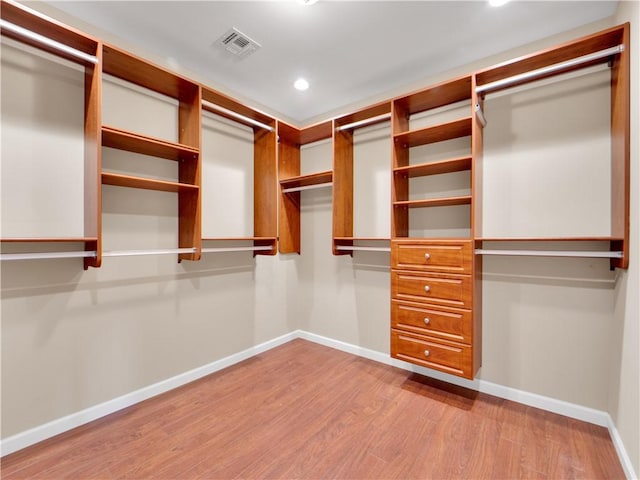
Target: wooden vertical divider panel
{"points": [[620, 148], [93, 160], [400, 181], [342, 187], [265, 183]]}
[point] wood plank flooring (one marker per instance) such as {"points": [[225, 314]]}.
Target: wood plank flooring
{"points": [[306, 411]]}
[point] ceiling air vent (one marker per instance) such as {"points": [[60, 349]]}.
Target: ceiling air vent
{"points": [[238, 43]]}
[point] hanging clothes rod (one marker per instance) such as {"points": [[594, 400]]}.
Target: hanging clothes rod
{"points": [[365, 249], [366, 121], [550, 253], [231, 113], [131, 253], [36, 37], [550, 69], [41, 255], [307, 187], [235, 249]]}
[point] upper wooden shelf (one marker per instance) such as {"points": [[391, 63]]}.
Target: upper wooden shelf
{"points": [[307, 180], [435, 168], [376, 112], [120, 180], [547, 239], [435, 202], [136, 70], [313, 133], [562, 53], [436, 133], [47, 27], [134, 142], [228, 103], [48, 239], [438, 95]]}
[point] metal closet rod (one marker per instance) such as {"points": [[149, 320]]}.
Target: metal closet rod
{"points": [[36, 37], [550, 253], [41, 255], [366, 121], [307, 187], [235, 249], [131, 253], [231, 113], [366, 249], [550, 69]]}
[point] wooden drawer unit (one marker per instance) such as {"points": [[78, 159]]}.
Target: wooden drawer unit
{"points": [[449, 323], [449, 357], [447, 290], [445, 256]]}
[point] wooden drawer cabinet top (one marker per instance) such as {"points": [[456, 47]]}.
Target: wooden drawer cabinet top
{"points": [[446, 256], [433, 288], [428, 352]]}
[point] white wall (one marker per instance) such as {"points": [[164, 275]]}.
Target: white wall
{"points": [[624, 387], [72, 338]]}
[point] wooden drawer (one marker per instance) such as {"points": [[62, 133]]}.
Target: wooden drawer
{"points": [[449, 290], [445, 256], [448, 357], [451, 324]]}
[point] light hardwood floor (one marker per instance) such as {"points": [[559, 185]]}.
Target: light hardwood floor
{"points": [[307, 411]]}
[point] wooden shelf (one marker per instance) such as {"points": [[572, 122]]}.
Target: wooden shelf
{"points": [[436, 133], [547, 239], [119, 180], [435, 202], [307, 180], [47, 27], [459, 164], [133, 142], [136, 70], [445, 93], [48, 239]]}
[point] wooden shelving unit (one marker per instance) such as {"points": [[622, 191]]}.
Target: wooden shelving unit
{"points": [[89, 55], [290, 139], [265, 219], [186, 152], [343, 154], [603, 48], [435, 288]]}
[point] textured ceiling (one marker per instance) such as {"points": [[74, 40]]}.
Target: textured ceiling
{"points": [[349, 51]]}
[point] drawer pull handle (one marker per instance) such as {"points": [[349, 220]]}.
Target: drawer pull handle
{"points": [[427, 353], [426, 320], [427, 288], [427, 256]]}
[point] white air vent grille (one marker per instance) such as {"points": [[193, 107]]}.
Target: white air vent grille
{"points": [[238, 43]]}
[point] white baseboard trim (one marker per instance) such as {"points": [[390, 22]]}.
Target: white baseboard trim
{"points": [[61, 425], [627, 466]]}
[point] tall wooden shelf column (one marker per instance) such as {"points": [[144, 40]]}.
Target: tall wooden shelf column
{"points": [[574, 55], [343, 129], [265, 200], [435, 282], [186, 151], [90, 56], [290, 139]]}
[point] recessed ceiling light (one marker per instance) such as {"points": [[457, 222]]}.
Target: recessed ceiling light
{"points": [[301, 84], [497, 3], [306, 2]]}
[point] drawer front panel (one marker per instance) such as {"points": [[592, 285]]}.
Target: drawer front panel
{"points": [[452, 290], [452, 324], [427, 352], [453, 257]]}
